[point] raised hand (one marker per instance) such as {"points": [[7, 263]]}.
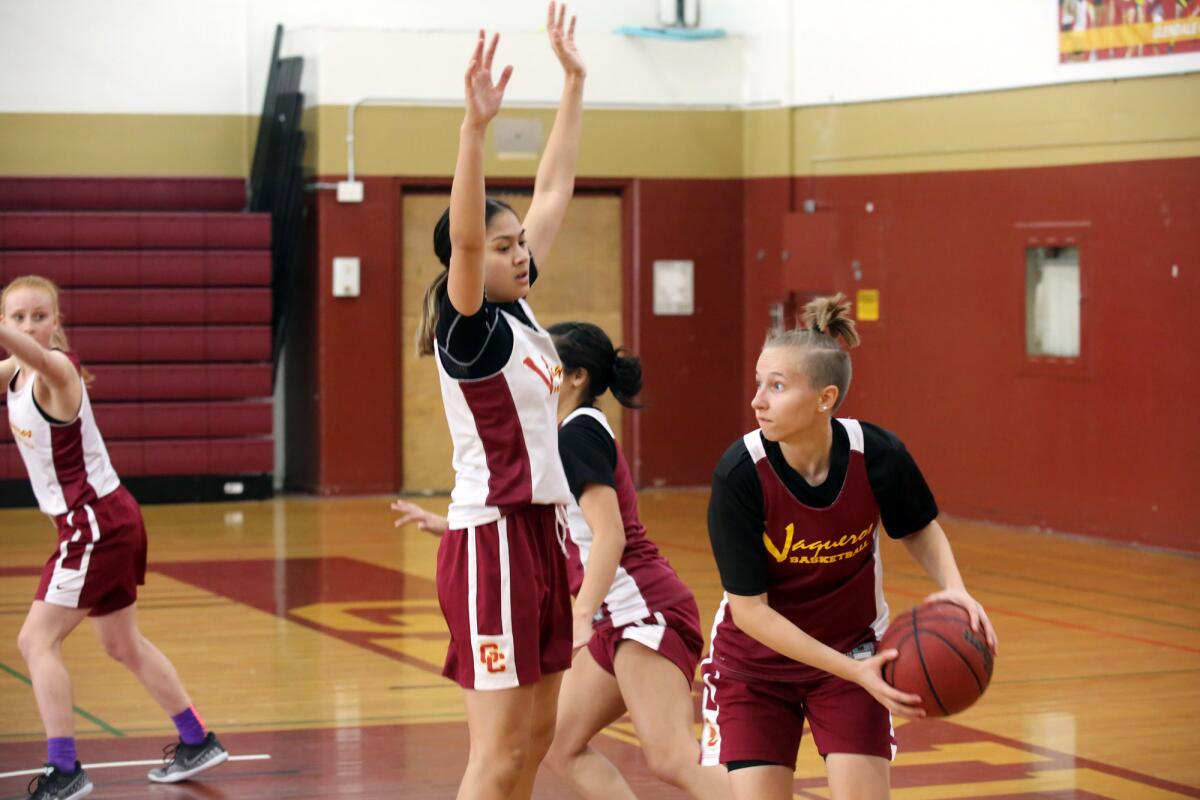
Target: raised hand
{"points": [[413, 513], [483, 96], [563, 43]]}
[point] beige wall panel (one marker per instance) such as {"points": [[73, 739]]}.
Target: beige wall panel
{"points": [[1096, 122], [134, 145], [581, 281], [1049, 126], [410, 140], [765, 136]]}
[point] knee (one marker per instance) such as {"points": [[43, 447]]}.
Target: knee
{"points": [[560, 755], [30, 643], [127, 651], [502, 765], [666, 764]]}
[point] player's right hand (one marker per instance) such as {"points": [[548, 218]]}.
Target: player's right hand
{"points": [[484, 97], [870, 677]]}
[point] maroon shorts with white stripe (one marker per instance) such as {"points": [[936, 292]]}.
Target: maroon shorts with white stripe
{"points": [[674, 634], [761, 720], [505, 595], [101, 556]]}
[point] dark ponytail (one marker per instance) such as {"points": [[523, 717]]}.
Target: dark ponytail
{"points": [[582, 345], [432, 304]]}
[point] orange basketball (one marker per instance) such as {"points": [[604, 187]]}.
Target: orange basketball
{"points": [[941, 658]]}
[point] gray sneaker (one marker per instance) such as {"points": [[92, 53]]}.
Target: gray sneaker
{"points": [[182, 761], [54, 784]]}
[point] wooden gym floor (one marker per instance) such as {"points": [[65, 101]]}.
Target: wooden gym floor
{"points": [[308, 633]]}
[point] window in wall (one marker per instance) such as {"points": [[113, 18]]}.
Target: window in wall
{"points": [[1052, 300]]}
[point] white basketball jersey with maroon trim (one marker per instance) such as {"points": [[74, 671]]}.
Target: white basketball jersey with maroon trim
{"points": [[505, 431], [67, 463]]}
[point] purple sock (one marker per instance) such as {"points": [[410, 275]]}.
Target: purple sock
{"points": [[190, 726], [62, 753]]}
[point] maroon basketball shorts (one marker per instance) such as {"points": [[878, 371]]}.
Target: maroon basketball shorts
{"points": [[506, 598], [759, 720], [101, 556], [674, 634]]}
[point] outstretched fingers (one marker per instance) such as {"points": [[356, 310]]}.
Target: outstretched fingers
{"points": [[491, 51], [504, 76], [476, 57]]}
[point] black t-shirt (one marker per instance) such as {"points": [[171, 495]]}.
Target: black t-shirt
{"points": [[477, 346], [736, 515], [588, 453]]}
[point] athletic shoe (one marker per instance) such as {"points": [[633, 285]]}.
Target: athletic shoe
{"points": [[54, 784], [182, 761]]}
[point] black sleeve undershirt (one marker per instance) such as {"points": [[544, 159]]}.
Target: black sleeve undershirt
{"points": [[588, 453], [479, 345]]}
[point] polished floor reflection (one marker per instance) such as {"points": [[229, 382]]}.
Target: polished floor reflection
{"points": [[309, 634]]}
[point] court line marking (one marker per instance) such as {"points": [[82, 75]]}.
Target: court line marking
{"points": [[81, 712], [1065, 603], [993, 610], [1102, 592], [113, 764]]}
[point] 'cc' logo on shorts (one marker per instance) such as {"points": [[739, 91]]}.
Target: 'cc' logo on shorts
{"points": [[492, 657]]}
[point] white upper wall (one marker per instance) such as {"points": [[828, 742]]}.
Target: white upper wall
{"points": [[885, 50], [210, 56]]}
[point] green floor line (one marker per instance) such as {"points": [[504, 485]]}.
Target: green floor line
{"points": [[90, 717]]}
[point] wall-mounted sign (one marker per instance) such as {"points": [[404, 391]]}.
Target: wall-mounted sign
{"points": [[674, 288], [1095, 30]]}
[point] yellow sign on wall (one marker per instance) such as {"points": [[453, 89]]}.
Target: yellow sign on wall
{"points": [[866, 305]]}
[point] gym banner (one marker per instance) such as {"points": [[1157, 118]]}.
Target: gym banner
{"points": [[1092, 30]]}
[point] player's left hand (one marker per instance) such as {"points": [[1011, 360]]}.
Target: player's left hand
{"points": [[562, 42], [581, 632], [425, 520], [979, 618]]}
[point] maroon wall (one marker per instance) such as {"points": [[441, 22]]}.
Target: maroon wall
{"points": [[1108, 444], [1105, 444], [344, 409], [344, 433], [691, 364]]}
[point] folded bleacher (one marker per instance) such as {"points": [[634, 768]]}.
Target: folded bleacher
{"points": [[166, 293]]}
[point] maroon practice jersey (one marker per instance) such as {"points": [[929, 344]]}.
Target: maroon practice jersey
{"points": [[823, 569]]}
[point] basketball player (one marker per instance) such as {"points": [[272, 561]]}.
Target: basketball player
{"points": [[500, 379], [101, 555], [636, 625], [793, 520]]}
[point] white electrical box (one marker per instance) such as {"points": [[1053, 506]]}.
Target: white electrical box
{"points": [[349, 192], [346, 276]]}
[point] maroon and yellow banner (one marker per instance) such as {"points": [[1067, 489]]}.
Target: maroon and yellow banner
{"points": [[1093, 30]]}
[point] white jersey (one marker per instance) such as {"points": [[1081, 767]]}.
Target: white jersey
{"points": [[67, 462], [505, 432]]}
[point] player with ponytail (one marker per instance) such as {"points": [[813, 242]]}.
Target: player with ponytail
{"points": [[793, 520]]}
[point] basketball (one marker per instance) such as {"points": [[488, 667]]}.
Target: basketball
{"points": [[941, 658]]}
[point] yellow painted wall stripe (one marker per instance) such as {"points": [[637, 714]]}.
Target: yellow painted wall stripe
{"points": [[126, 145], [408, 140], [1095, 122], [1084, 123]]}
